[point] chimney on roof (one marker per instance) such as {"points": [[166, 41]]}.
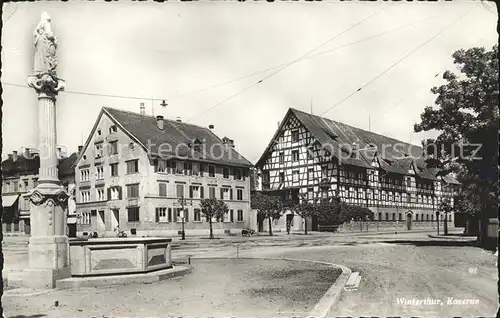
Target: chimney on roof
{"points": [[80, 148], [10, 156], [58, 152], [159, 122], [143, 109], [178, 119], [26, 153], [14, 155], [211, 127]]}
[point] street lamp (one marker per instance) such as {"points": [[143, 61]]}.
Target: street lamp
{"points": [[437, 220], [182, 201]]}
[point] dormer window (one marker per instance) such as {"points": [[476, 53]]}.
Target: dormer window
{"points": [[195, 144]]}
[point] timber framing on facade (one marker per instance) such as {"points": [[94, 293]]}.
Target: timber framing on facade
{"points": [[311, 157]]}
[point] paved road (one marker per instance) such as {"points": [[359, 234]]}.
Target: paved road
{"points": [[414, 267], [411, 266]]}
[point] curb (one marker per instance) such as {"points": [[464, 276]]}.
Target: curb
{"points": [[113, 280], [324, 308]]}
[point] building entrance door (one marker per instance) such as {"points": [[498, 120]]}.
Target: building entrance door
{"points": [[115, 219], [101, 224], [408, 220]]}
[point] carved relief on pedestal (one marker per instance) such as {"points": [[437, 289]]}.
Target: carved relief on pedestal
{"points": [[59, 198]]}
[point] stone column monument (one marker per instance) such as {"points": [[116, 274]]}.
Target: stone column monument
{"points": [[48, 245]]}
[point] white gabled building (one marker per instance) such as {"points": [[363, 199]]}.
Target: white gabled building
{"points": [[134, 168]]}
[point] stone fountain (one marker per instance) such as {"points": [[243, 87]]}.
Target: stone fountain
{"points": [[54, 260]]}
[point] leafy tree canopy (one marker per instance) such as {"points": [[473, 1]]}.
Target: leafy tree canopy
{"points": [[466, 115]]}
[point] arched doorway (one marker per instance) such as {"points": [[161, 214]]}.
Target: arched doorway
{"points": [[409, 216]]}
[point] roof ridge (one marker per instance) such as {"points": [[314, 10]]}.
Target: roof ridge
{"points": [[152, 116], [341, 123]]}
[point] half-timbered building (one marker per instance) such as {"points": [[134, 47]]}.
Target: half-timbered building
{"points": [[312, 157]]}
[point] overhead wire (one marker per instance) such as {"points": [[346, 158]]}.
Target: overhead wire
{"points": [[399, 103], [237, 78], [396, 63], [286, 65]]}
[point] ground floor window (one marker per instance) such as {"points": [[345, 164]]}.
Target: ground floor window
{"points": [[240, 216], [178, 215], [197, 215], [161, 215], [133, 214], [400, 216], [85, 218]]}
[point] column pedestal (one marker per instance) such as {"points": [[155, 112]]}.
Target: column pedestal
{"points": [[49, 262]]}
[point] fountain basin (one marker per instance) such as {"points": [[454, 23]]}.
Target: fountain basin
{"points": [[119, 256]]}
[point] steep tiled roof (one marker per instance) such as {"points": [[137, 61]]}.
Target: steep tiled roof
{"points": [[177, 135], [395, 156], [67, 165], [22, 166], [450, 179], [26, 166]]}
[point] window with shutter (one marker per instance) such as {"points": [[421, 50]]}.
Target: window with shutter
{"points": [[180, 190], [230, 194], [201, 192], [169, 218], [162, 189], [191, 192], [240, 215], [211, 192], [231, 216], [222, 194], [186, 215]]}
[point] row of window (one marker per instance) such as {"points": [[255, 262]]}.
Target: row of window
{"points": [[132, 167], [165, 215], [16, 186], [162, 166], [418, 217], [197, 169], [195, 192]]}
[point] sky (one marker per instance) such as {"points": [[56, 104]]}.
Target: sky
{"points": [[200, 57]]}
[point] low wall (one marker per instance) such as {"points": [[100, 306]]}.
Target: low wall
{"points": [[167, 233], [375, 226], [114, 256]]}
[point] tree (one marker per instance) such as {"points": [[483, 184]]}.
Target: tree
{"points": [[336, 212], [268, 207], [466, 116], [213, 208], [445, 207]]}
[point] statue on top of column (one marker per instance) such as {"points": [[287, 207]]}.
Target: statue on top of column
{"points": [[45, 80], [45, 47]]}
